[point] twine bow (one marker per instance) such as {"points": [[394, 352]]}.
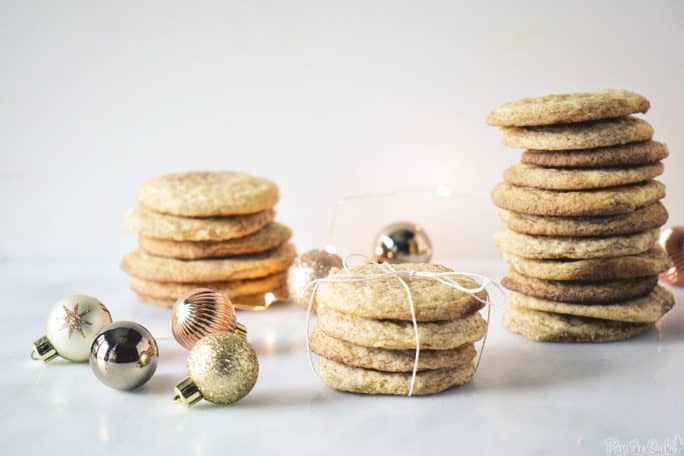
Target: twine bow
{"points": [[449, 279]]}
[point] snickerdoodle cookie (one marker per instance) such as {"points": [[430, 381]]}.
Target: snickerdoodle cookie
{"points": [[207, 194], [567, 108]]}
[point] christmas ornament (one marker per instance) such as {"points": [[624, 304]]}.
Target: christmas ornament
{"points": [[222, 368], [403, 242], [71, 326], [124, 355], [672, 241], [312, 265], [200, 312]]}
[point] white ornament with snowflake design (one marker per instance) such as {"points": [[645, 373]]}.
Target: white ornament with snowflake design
{"points": [[71, 327]]}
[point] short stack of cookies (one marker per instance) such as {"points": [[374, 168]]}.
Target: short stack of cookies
{"points": [[366, 341], [208, 229], [581, 216]]}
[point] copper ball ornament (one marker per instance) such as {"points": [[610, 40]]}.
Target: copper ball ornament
{"points": [[402, 242], [309, 266], [200, 312], [672, 241]]}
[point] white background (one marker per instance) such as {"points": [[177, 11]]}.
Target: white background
{"points": [[326, 98]]}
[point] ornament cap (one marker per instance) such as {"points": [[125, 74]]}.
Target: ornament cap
{"points": [[240, 329], [186, 392], [43, 350]]}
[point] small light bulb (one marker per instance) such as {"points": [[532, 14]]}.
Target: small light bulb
{"points": [[269, 298], [443, 191]]}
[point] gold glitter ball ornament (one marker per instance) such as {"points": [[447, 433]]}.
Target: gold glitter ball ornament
{"points": [[403, 242], [200, 312], [672, 241], [222, 368], [312, 265]]}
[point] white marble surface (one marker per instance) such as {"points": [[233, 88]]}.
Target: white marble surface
{"points": [[526, 398]]}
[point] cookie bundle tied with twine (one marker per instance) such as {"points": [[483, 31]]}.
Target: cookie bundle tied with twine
{"points": [[208, 229], [402, 329], [581, 217]]}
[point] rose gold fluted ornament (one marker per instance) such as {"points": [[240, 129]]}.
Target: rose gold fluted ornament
{"points": [[672, 241], [200, 312]]}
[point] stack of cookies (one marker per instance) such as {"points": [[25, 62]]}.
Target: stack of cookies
{"points": [[367, 343], [581, 216], [208, 229]]}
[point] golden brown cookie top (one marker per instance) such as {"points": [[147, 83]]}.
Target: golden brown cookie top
{"points": [[551, 247], [552, 327], [650, 263], [632, 154], [267, 238], [147, 223], [208, 193], [385, 360], [644, 309], [568, 108], [231, 289], [586, 135], [139, 264], [611, 291], [369, 381], [579, 179], [645, 218], [386, 298], [577, 203]]}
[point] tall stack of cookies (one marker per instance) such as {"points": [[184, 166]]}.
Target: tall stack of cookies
{"points": [[581, 216], [366, 340], [208, 229]]}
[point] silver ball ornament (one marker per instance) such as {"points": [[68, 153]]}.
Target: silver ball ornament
{"points": [[312, 265], [124, 355], [403, 242]]}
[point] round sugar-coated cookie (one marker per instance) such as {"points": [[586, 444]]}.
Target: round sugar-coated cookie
{"points": [[150, 224], [232, 289], [548, 247], [568, 107], [578, 179], [645, 218], [387, 360], [386, 298], [160, 269], [208, 194], [633, 154], [368, 381], [645, 264], [577, 203], [267, 238], [551, 327], [609, 291], [587, 135], [645, 309], [258, 301], [400, 335]]}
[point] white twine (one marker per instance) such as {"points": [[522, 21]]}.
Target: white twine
{"points": [[449, 279]]}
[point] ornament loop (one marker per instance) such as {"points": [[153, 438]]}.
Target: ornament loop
{"points": [[186, 392], [43, 350]]}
